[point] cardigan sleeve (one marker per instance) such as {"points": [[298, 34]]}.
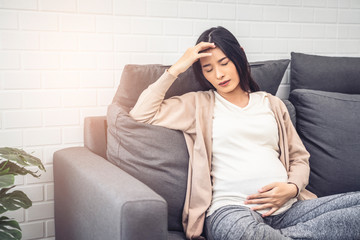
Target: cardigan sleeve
{"points": [[175, 113], [299, 169]]}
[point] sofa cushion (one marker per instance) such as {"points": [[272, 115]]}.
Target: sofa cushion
{"points": [[155, 155], [135, 78], [328, 124], [332, 74], [268, 74], [291, 109]]}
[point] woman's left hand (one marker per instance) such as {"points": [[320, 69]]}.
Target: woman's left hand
{"points": [[272, 197]]}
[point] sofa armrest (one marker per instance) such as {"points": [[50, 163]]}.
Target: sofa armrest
{"points": [[95, 199]]}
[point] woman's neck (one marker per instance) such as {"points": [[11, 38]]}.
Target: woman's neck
{"points": [[238, 97]]}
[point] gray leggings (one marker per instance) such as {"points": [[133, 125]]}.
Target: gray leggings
{"points": [[331, 217]]}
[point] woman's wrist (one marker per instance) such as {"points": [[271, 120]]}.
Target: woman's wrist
{"points": [[296, 189], [173, 71]]}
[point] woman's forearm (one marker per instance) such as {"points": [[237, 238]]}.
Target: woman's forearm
{"points": [[151, 98]]}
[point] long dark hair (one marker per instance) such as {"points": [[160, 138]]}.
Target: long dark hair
{"points": [[228, 43]]}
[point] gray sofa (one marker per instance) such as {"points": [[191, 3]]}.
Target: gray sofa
{"points": [[134, 187]]}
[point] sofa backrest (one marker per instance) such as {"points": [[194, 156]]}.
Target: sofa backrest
{"points": [[135, 78], [324, 73]]}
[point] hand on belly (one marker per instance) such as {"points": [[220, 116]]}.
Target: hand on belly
{"points": [[272, 196]]}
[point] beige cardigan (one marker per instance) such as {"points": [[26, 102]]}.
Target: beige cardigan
{"points": [[192, 113]]}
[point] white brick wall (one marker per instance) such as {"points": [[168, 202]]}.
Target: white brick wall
{"points": [[61, 60]]}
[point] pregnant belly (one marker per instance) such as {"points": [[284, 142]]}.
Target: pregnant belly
{"points": [[247, 181]]}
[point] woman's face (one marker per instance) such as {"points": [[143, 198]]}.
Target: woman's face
{"points": [[220, 71]]}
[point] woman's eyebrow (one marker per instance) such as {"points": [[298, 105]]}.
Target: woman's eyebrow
{"points": [[222, 59], [207, 65]]}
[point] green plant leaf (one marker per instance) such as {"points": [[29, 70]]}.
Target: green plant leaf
{"points": [[21, 157], [13, 162], [14, 200], [9, 229], [13, 168], [3, 167], [13, 154], [10, 222], [2, 210], [6, 180]]}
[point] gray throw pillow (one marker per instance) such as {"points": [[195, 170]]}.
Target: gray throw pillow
{"points": [[291, 109], [328, 124], [155, 155], [136, 78], [332, 74]]}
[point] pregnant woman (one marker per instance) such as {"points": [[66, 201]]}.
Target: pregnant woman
{"points": [[248, 166]]}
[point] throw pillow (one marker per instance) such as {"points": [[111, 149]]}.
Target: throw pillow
{"points": [[291, 109], [332, 74], [135, 78], [328, 124], [268, 74], [155, 155]]}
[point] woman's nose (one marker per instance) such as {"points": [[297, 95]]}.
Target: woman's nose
{"points": [[219, 74]]}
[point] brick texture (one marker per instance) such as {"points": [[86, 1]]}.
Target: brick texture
{"points": [[61, 61]]}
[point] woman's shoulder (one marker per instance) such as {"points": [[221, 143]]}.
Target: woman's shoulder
{"points": [[263, 95], [207, 93], [275, 102], [272, 98], [202, 96]]}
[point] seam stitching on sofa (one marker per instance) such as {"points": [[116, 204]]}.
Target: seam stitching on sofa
{"points": [[135, 201]]}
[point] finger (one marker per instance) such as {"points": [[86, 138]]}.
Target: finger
{"points": [[258, 201], [262, 207], [270, 212], [258, 195], [204, 45], [267, 187], [253, 196], [204, 54]]}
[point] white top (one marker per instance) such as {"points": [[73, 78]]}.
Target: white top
{"points": [[245, 151]]}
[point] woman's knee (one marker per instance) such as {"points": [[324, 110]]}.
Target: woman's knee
{"points": [[349, 199], [233, 223]]}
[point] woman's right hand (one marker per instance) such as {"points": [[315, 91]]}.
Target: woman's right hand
{"points": [[191, 55]]}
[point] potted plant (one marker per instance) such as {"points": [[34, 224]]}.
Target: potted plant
{"points": [[13, 162]]}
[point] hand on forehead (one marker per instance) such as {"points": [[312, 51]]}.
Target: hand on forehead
{"points": [[217, 55]]}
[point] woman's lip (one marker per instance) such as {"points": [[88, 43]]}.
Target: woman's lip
{"points": [[224, 83]]}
